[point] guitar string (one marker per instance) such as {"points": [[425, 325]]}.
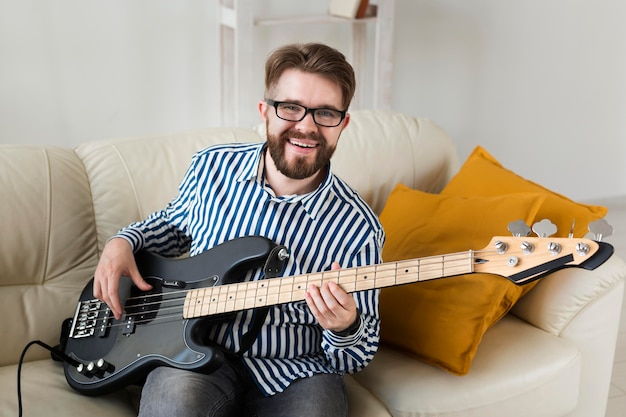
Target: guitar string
{"points": [[423, 265]]}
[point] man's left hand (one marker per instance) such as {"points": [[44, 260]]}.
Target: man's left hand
{"points": [[333, 308]]}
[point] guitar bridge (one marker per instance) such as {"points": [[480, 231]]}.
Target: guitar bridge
{"points": [[87, 320]]}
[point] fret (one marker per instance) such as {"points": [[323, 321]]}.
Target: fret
{"points": [[318, 278], [190, 303], [431, 268], [386, 276], [228, 298], [299, 287], [457, 263], [260, 297], [249, 296], [406, 272], [286, 290], [209, 301], [372, 276], [345, 279], [221, 297], [273, 291]]}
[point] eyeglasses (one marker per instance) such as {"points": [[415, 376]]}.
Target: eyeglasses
{"points": [[294, 113]]}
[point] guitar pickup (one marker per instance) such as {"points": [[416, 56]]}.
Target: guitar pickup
{"points": [[129, 326], [105, 322]]}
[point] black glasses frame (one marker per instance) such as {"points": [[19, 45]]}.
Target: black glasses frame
{"points": [[307, 110]]}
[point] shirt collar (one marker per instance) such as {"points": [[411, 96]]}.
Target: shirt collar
{"points": [[312, 202]]}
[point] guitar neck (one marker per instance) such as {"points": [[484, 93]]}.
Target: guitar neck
{"points": [[254, 294]]}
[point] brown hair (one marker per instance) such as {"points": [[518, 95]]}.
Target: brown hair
{"points": [[313, 58]]}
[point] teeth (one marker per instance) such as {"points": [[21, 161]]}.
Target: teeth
{"points": [[302, 145]]}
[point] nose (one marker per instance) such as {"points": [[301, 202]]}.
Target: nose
{"points": [[307, 124]]}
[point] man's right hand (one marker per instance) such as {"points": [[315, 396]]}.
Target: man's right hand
{"points": [[117, 260]]}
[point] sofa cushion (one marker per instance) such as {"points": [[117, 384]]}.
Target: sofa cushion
{"points": [[46, 393], [442, 322], [499, 384], [483, 175]]}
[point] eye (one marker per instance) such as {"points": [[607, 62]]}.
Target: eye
{"points": [[290, 107], [327, 113]]}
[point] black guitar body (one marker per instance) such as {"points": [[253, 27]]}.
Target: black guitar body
{"points": [[152, 332]]}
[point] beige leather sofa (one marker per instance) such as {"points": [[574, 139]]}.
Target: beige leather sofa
{"points": [[551, 356]]}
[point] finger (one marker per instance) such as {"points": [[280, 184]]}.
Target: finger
{"points": [[112, 298], [329, 314], [138, 280], [340, 296], [97, 289], [328, 297], [341, 305], [312, 297]]}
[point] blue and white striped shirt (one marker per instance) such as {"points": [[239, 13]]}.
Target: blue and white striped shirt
{"points": [[224, 196]]}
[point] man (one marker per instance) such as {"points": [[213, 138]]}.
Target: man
{"points": [[282, 189]]}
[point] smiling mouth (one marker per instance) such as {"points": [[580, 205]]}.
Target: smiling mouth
{"points": [[300, 144]]}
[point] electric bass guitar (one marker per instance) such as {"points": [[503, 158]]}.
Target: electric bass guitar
{"points": [[165, 326]]}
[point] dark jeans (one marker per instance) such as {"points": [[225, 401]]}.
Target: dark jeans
{"points": [[230, 392]]}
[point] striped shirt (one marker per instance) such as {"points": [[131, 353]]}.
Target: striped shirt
{"points": [[224, 196]]}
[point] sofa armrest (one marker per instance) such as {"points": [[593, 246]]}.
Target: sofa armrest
{"points": [[562, 296], [583, 307]]}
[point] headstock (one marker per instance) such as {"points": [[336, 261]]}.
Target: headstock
{"points": [[523, 259]]}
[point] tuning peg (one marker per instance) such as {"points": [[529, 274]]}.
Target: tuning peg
{"points": [[571, 229], [518, 228], [599, 230], [544, 228]]}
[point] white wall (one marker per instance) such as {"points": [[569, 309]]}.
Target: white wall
{"points": [[540, 83]]}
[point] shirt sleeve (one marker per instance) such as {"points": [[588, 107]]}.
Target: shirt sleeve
{"points": [[165, 231], [354, 352]]}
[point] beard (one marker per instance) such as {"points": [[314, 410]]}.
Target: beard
{"points": [[299, 167]]}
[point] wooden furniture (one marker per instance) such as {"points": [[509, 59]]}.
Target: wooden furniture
{"points": [[237, 27]]}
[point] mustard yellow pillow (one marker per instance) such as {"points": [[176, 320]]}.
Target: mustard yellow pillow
{"points": [[483, 175], [442, 322]]}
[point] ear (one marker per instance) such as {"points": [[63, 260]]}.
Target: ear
{"points": [[263, 109], [346, 121]]}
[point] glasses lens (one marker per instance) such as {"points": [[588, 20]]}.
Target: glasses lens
{"points": [[327, 117], [290, 111]]}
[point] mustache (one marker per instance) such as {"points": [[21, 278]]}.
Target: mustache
{"points": [[299, 135]]}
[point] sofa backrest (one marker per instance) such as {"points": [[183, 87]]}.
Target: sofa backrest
{"points": [[380, 149], [131, 178], [62, 205], [48, 246]]}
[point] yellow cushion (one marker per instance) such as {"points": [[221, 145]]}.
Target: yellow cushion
{"points": [[483, 175], [441, 322]]}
